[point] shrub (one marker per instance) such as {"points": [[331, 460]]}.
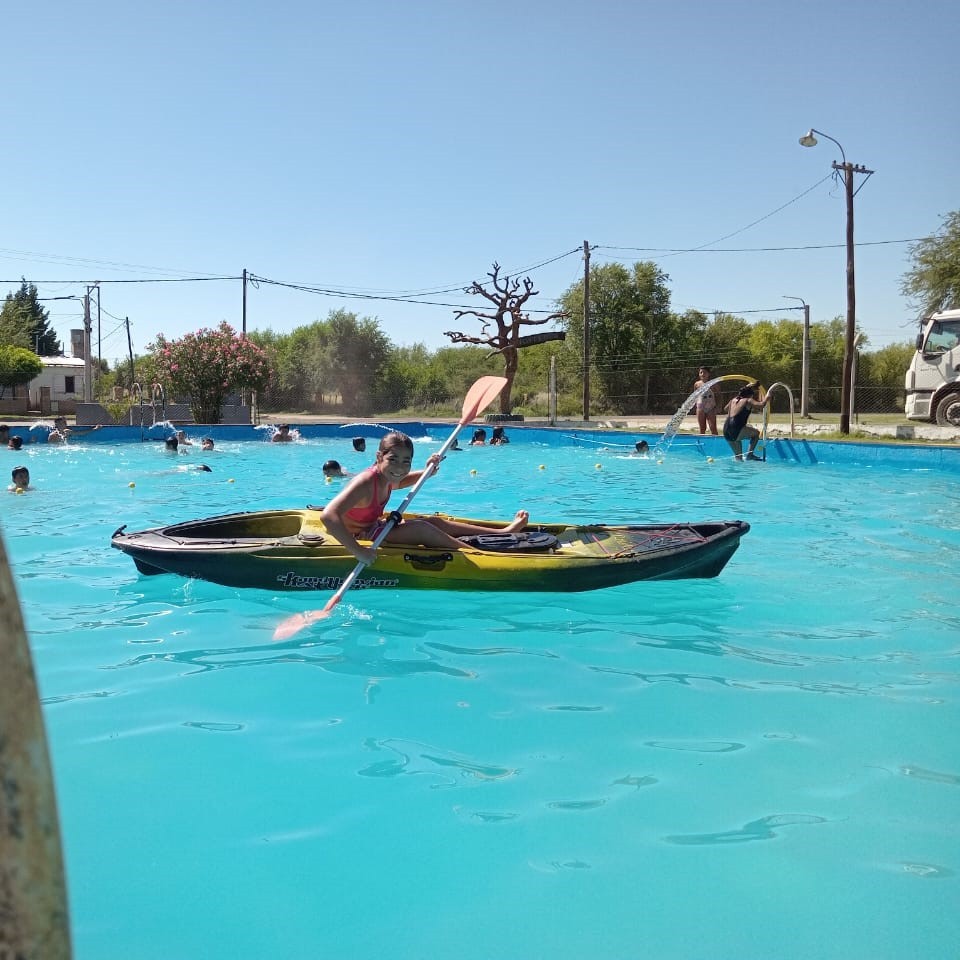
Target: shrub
{"points": [[208, 365]]}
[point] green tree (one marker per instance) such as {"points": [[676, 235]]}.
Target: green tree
{"points": [[826, 363], [933, 283], [356, 355], [880, 377], [723, 344], [633, 334], [17, 365], [25, 323], [207, 365], [300, 367], [886, 367], [459, 367], [776, 351], [412, 377], [343, 355]]}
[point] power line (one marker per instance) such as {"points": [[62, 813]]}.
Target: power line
{"points": [[819, 246], [333, 292]]}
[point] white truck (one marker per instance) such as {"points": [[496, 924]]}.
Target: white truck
{"points": [[933, 378]]}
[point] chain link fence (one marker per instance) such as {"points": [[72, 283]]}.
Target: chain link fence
{"points": [[822, 399]]}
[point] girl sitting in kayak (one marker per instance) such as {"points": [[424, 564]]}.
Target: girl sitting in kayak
{"points": [[357, 512]]}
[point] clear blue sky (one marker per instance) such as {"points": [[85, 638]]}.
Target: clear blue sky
{"points": [[398, 149]]}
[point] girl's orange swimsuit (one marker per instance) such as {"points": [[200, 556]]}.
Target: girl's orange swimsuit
{"points": [[366, 519]]}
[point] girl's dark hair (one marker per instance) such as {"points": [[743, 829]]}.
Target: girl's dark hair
{"points": [[394, 439]]}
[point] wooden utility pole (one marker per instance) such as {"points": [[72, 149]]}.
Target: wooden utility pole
{"points": [[586, 330], [133, 376], [244, 329], [848, 170], [805, 365], [87, 366]]}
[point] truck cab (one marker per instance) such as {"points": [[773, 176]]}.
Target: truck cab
{"points": [[933, 378]]}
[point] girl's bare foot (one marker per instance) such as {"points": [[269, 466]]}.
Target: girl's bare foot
{"points": [[519, 523]]}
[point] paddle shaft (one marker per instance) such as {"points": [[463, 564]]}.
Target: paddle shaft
{"points": [[392, 520]]}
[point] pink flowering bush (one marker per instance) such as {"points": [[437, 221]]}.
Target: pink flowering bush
{"points": [[208, 365]]}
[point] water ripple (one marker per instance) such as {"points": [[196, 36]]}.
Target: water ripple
{"points": [[762, 829], [408, 758]]}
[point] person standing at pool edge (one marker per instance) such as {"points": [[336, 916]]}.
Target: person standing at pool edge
{"points": [[736, 428], [706, 403], [357, 512]]}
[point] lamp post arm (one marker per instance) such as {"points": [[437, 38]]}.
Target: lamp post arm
{"points": [[837, 142]]}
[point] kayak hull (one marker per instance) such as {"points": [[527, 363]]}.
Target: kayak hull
{"points": [[291, 550]]}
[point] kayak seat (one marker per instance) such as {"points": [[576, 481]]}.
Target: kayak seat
{"points": [[510, 542]]}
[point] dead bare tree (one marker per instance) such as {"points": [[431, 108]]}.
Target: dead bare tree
{"points": [[502, 323]]}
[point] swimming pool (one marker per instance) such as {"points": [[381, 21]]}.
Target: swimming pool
{"points": [[765, 764]]}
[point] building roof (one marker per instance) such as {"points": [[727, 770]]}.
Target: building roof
{"points": [[76, 363]]}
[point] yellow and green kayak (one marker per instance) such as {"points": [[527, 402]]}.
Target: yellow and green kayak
{"points": [[292, 550]]}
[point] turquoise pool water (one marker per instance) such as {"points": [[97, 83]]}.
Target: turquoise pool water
{"points": [[761, 765]]}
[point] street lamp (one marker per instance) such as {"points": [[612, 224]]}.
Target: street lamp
{"points": [[805, 363], [848, 170]]}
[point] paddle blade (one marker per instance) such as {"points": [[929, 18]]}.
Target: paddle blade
{"points": [[294, 624], [480, 396]]}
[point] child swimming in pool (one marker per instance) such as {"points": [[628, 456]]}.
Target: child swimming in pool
{"points": [[357, 512], [21, 479], [332, 470]]}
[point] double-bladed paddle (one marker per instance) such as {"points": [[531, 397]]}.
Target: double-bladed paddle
{"points": [[478, 398]]}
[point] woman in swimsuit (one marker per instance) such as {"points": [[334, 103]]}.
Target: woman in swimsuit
{"points": [[736, 429], [357, 512], [707, 404]]}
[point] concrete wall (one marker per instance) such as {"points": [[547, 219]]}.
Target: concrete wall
{"points": [[89, 414]]}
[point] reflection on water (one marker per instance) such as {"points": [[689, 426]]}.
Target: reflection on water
{"points": [[351, 658]]}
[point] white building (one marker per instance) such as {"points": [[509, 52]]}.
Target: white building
{"points": [[59, 388]]}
